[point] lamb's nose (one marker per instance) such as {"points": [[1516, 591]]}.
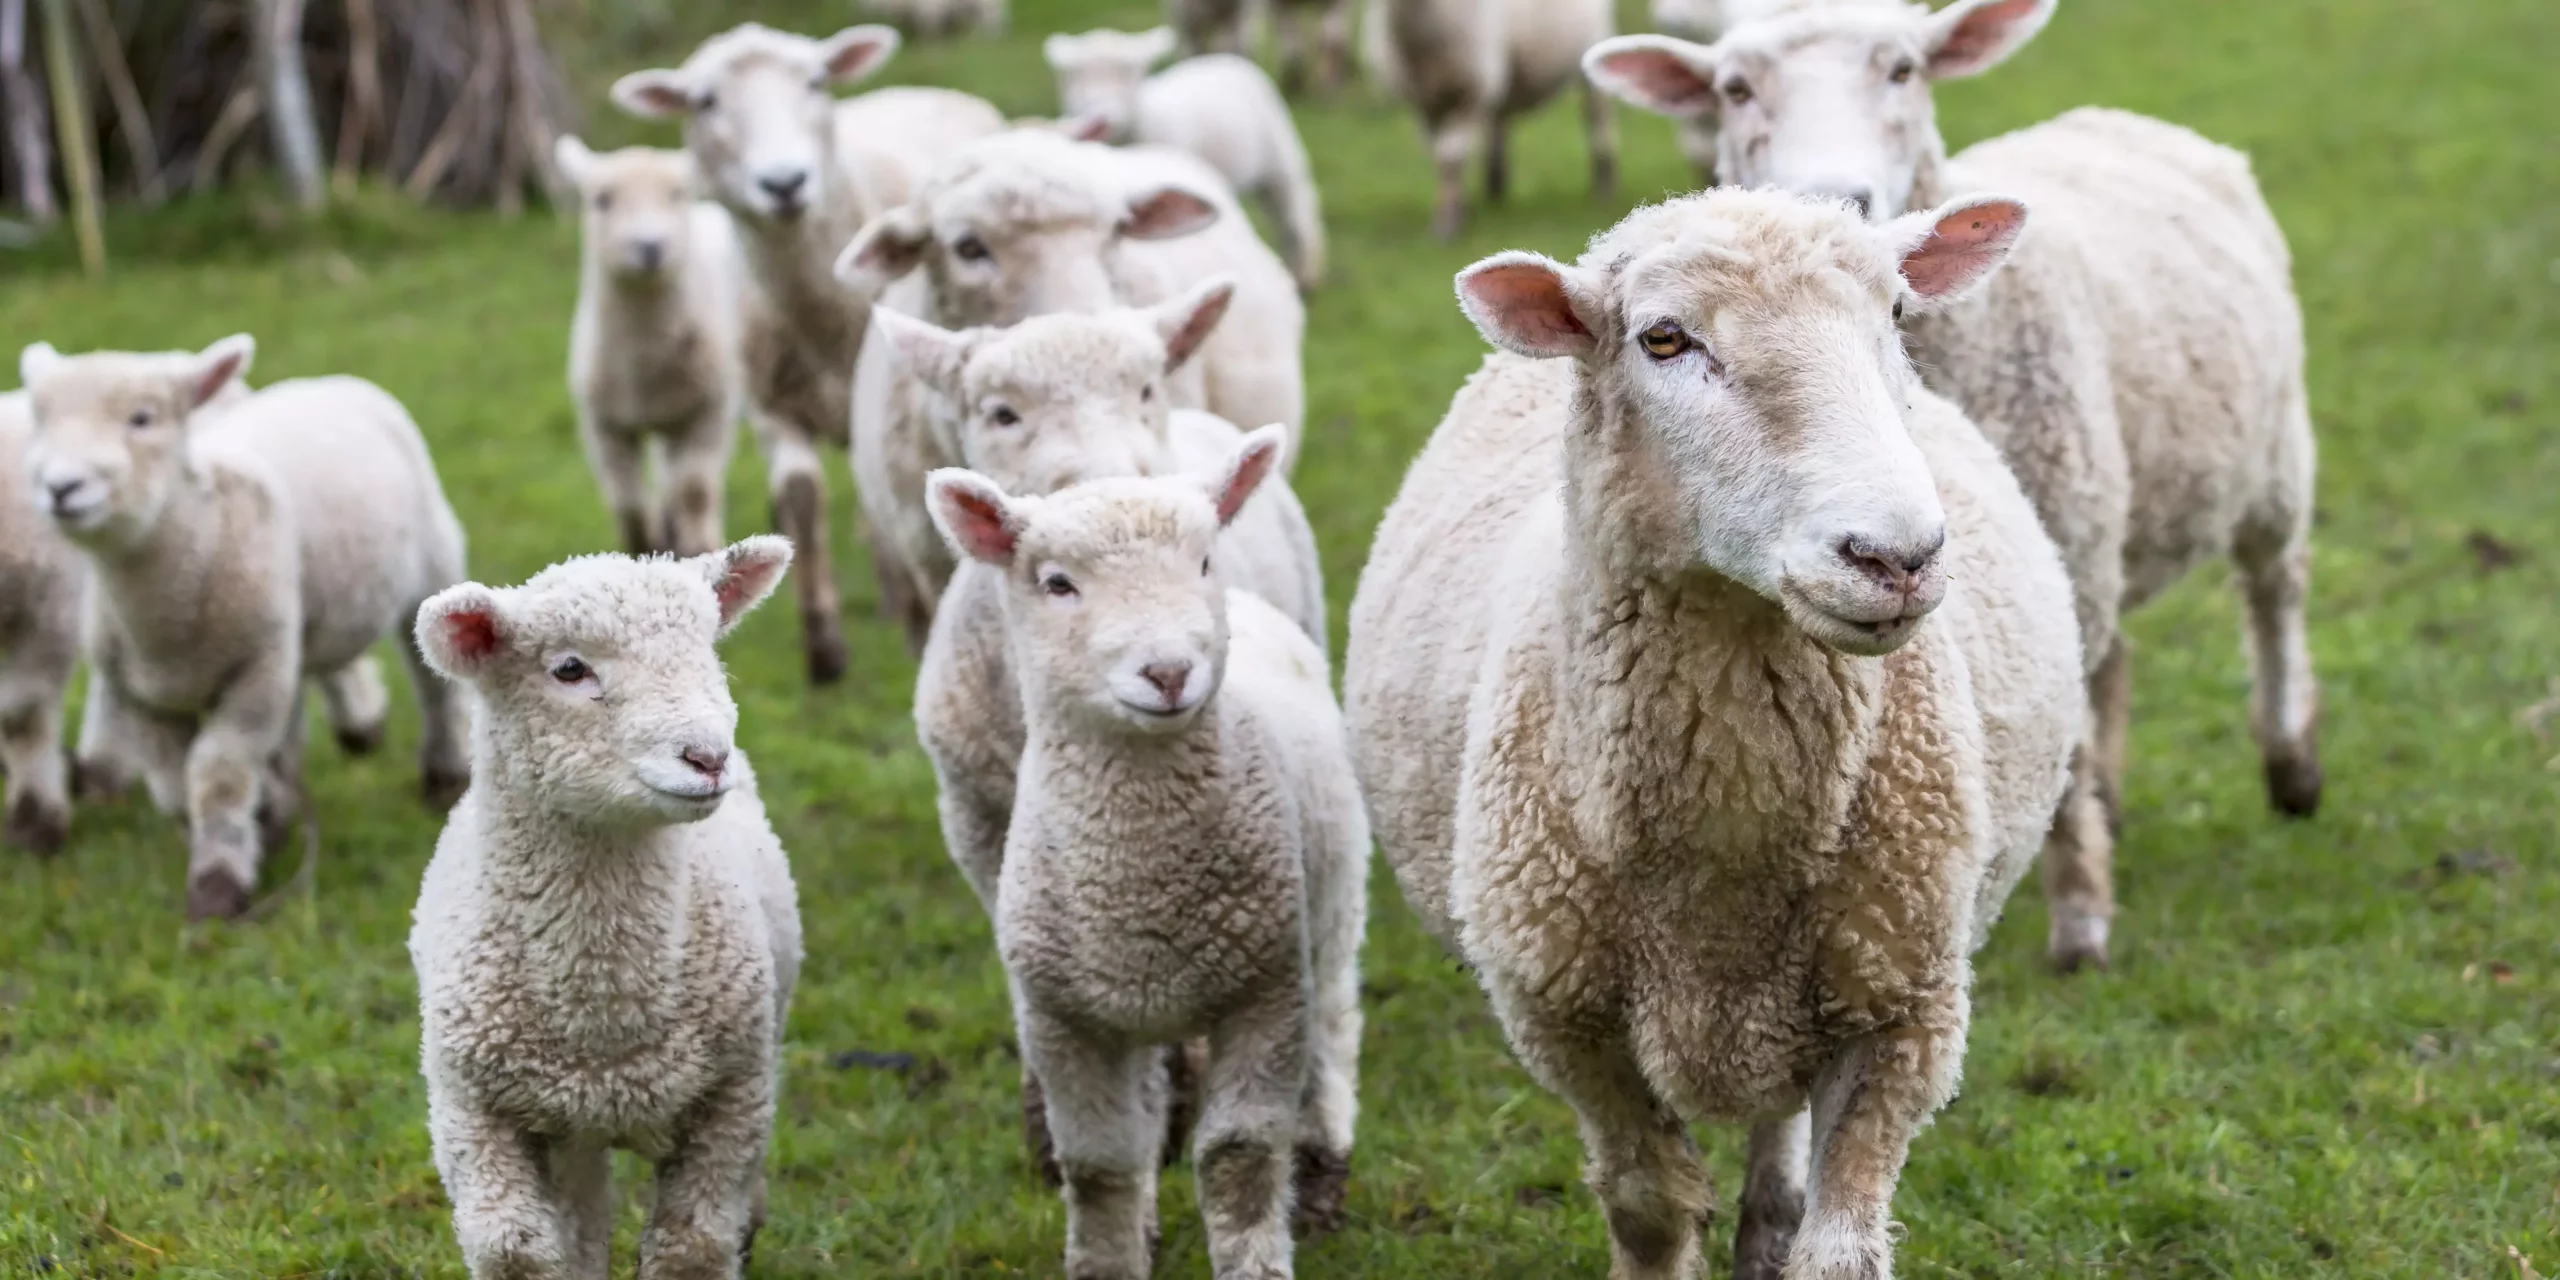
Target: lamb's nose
{"points": [[785, 186], [62, 491], [1894, 565], [650, 253], [707, 761], [1168, 678]]}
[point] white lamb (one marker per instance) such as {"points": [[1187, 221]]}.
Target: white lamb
{"points": [[939, 18], [653, 350], [801, 172], [607, 937], [1188, 859], [2140, 362], [42, 581], [1218, 106], [1470, 66], [236, 549], [1712, 683]]}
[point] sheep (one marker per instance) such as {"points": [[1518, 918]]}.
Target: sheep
{"points": [[1188, 858], [1712, 683], [1332, 41], [607, 936], [234, 550], [1469, 66], [1705, 20], [939, 18], [2140, 362], [800, 172], [1211, 26], [42, 581], [1218, 106], [653, 349]]}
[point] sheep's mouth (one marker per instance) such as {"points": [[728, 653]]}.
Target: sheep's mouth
{"points": [[704, 799], [1864, 637]]}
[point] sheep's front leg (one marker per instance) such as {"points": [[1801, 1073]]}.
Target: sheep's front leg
{"points": [[1453, 143], [1640, 1160], [503, 1212], [796, 479], [1772, 1197], [697, 460], [1243, 1151], [1105, 1118], [39, 786], [226, 767], [1867, 1104], [705, 1211], [580, 1180], [359, 705], [619, 464]]}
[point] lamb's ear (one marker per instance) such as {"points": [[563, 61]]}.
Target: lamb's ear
{"points": [[1664, 74], [574, 157], [1531, 304], [1970, 37], [1154, 45], [654, 95], [1230, 488], [1167, 213], [744, 573], [1187, 321], [36, 361], [1062, 51], [974, 514], [885, 250], [215, 367], [855, 52], [462, 630], [1948, 250], [928, 352]]}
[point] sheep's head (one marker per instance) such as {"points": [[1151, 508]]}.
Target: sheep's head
{"points": [[1063, 398], [758, 107], [637, 207], [110, 442], [1739, 352], [1019, 224], [1101, 71], [1824, 99], [1117, 620], [601, 694]]}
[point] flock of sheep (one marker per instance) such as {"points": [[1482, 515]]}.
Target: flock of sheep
{"points": [[1713, 679]]}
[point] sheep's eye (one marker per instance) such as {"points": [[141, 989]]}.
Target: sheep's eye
{"points": [[570, 671], [1004, 416], [1665, 341], [1737, 92], [139, 419], [1204, 566], [705, 101], [1059, 585], [971, 249], [1897, 308], [1902, 71], [1147, 394]]}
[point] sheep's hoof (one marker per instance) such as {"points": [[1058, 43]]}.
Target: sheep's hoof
{"points": [[216, 894], [2077, 940], [2293, 782], [362, 739], [826, 657], [441, 788], [1324, 1182], [36, 827], [1766, 1234]]}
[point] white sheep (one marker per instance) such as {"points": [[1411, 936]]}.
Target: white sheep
{"points": [[653, 348], [1468, 67], [1187, 859], [1712, 683], [1218, 106], [2140, 362], [236, 549], [42, 582], [939, 18], [801, 172], [607, 937]]}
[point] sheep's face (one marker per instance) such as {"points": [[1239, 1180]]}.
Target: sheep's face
{"points": [[1117, 619], [602, 695], [758, 107], [110, 443], [637, 208], [1823, 99], [1749, 388], [1101, 72], [1028, 222]]}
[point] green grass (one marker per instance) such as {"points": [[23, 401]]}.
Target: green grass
{"points": [[2327, 1048]]}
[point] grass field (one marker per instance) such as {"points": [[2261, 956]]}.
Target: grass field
{"points": [[2329, 1048]]}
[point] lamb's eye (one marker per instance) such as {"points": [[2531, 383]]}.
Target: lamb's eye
{"points": [[1004, 416], [570, 671], [1897, 308], [604, 201], [1204, 566], [1902, 70], [1059, 585], [1665, 341], [704, 101], [971, 249], [1147, 394], [139, 419], [1737, 92]]}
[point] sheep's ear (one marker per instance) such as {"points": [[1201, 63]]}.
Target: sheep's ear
{"points": [[1062, 51], [928, 352], [1155, 44], [744, 573], [1092, 126], [462, 630], [1948, 250], [884, 251], [38, 360], [216, 366], [855, 52], [1232, 486], [1167, 213], [1530, 304], [574, 157], [974, 514], [1187, 321], [653, 95], [1970, 37], [1664, 74]]}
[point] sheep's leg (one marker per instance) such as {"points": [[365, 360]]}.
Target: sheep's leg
{"points": [[618, 460], [1641, 1163], [1258, 1066], [280, 793], [706, 1186], [1337, 896], [1772, 1197], [2111, 707], [1334, 68], [2274, 560], [359, 705], [1867, 1103], [1105, 1116], [38, 796], [119, 740], [796, 478], [1599, 125], [580, 1178], [444, 744], [1294, 207], [1497, 158], [226, 765], [1453, 143], [503, 1214], [1289, 29], [696, 464], [2079, 867]]}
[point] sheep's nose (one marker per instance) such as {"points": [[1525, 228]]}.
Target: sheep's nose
{"points": [[649, 253], [1168, 678], [1895, 565], [1858, 196], [61, 491], [785, 186], [707, 761]]}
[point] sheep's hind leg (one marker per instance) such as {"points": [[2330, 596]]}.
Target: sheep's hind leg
{"points": [[1453, 143], [2079, 867], [2275, 581], [797, 481], [359, 705], [1105, 1116], [1772, 1197], [39, 785], [1599, 127]]}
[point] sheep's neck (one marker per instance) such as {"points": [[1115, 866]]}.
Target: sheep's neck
{"points": [[793, 265], [581, 900], [164, 571], [1104, 790]]}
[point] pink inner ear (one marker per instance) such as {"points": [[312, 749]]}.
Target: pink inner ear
{"points": [[215, 378], [1665, 81], [1167, 213], [1963, 246], [855, 58], [1527, 301], [1980, 36], [1250, 471], [981, 524], [472, 635], [1196, 329]]}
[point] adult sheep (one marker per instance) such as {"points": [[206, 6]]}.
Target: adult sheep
{"points": [[42, 581], [2140, 362], [1712, 683]]}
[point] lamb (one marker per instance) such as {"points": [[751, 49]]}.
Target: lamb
{"points": [[940, 18], [607, 937], [1188, 858], [2140, 363], [42, 581], [1218, 106], [653, 350], [1712, 684], [234, 550], [1469, 66], [801, 172]]}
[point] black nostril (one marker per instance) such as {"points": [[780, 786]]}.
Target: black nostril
{"points": [[785, 185], [705, 761]]}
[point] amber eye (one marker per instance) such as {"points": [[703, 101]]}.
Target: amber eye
{"points": [[1004, 416], [1737, 92], [1902, 71], [971, 249], [1665, 341]]}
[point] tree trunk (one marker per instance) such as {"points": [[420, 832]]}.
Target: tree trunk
{"points": [[290, 121], [71, 125], [30, 154]]}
